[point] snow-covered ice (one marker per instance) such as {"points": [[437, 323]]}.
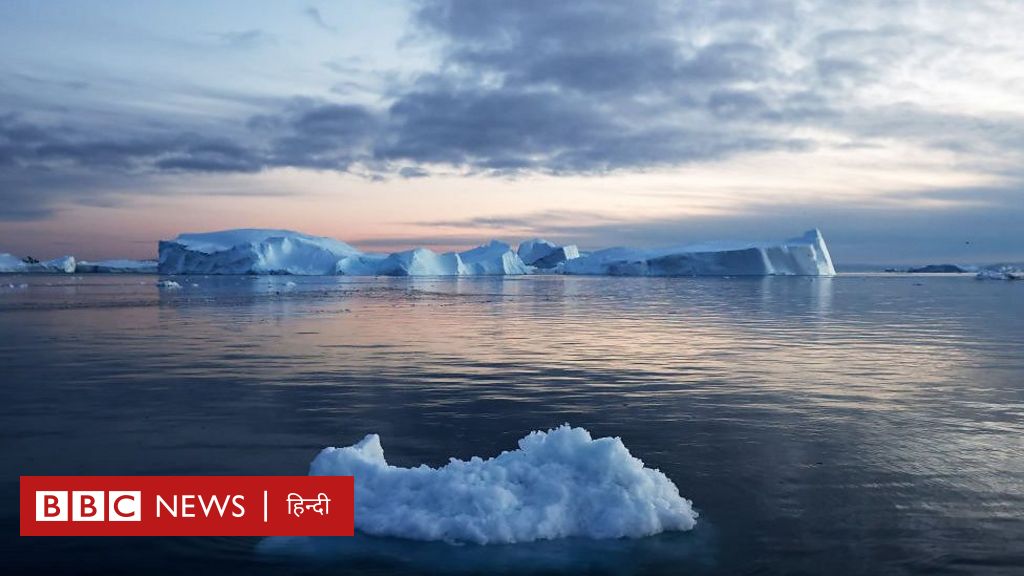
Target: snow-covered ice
{"points": [[116, 267], [269, 251], [252, 251], [1001, 273], [493, 259], [420, 262], [168, 284], [806, 255], [558, 484], [12, 264]]}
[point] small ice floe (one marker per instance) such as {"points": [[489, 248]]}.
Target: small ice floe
{"points": [[195, 285], [1001, 273], [558, 484], [289, 284], [168, 284]]}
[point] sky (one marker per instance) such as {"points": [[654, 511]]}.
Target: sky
{"points": [[894, 126]]}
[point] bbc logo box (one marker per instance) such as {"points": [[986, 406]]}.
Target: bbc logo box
{"points": [[88, 506], [187, 505]]}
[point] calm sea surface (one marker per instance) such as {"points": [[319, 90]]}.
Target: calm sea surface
{"points": [[860, 424]]}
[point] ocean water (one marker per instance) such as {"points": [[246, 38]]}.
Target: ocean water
{"points": [[863, 424]]}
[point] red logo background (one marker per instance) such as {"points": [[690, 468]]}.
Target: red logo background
{"points": [[276, 519]]}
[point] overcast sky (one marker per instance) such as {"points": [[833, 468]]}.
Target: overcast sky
{"points": [[897, 127]]}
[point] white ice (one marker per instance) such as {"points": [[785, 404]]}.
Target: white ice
{"points": [[558, 484], [804, 256], [252, 251], [284, 252], [12, 264], [1001, 273], [268, 251]]}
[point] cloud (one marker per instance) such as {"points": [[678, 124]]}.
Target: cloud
{"points": [[33, 146], [317, 18], [597, 86], [313, 134], [246, 38]]}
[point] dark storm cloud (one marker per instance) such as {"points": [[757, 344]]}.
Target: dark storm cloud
{"points": [[577, 87], [310, 134], [32, 146]]}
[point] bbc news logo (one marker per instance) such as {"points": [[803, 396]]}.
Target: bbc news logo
{"points": [[88, 506], [187, 506]]}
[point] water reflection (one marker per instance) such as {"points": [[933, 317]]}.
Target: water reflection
{"points": [[817, 424]]}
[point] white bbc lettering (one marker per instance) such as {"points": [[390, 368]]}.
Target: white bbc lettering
{"points": [[88, 506], [124, 506], [51, 506]]}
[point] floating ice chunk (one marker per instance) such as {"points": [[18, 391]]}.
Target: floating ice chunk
{"points": [[12, 264], [558, 484], [1001, 273], [168, 284], [804, 256]]}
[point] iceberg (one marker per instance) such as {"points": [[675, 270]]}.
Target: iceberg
{"points": [[116, 267], [558, 484], [1000, 273], [12, 264], [546, 255], [806, 255], [938, 269], [252, 251], [260, 251]]}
